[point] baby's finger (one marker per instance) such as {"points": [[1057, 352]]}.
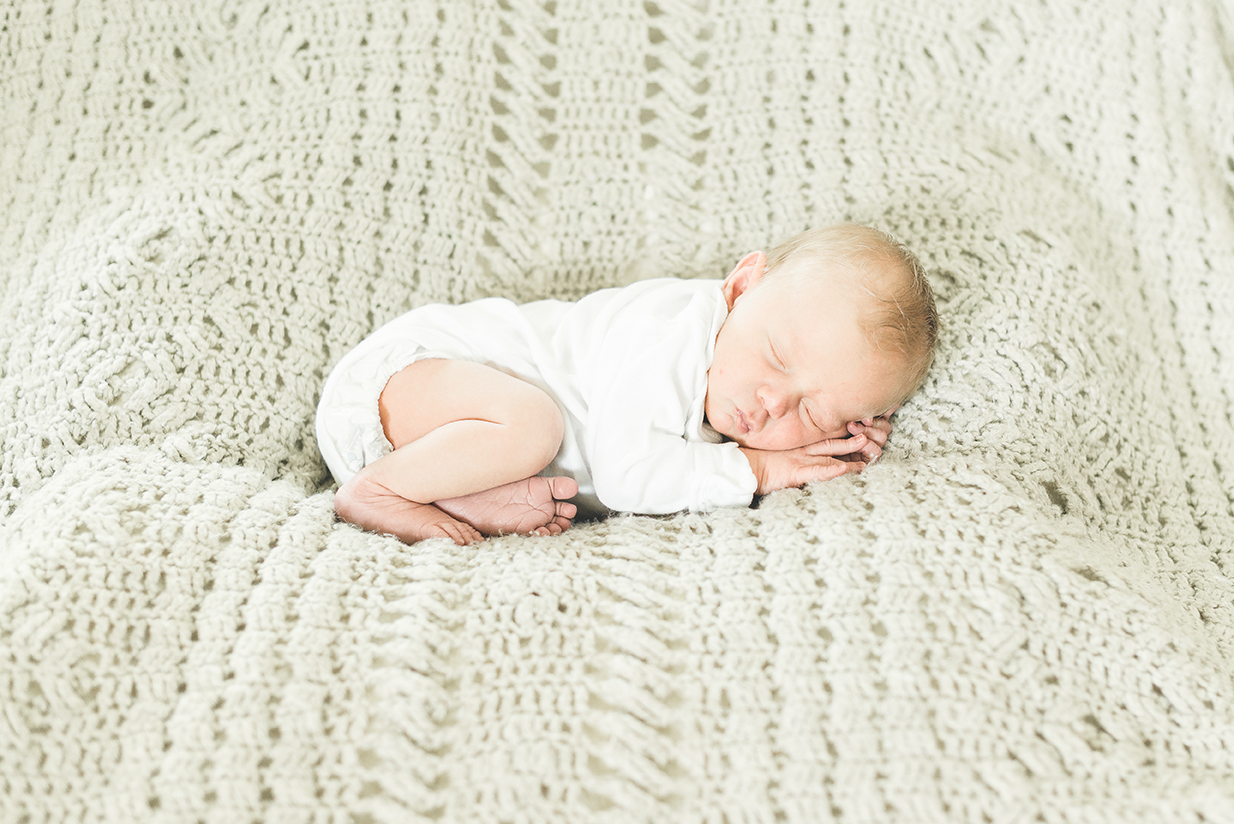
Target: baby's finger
{"points": [[871, 452], [874, 432], [878, 430], [867, 455], [824, 472], [836, 446], [883, 423]]}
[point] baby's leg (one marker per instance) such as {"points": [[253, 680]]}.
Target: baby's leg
{"points": [[458, 428]]}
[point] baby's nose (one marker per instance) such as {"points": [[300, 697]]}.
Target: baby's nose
{"points": [[776, 403]]}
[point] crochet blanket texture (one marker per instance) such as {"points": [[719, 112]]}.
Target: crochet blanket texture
{"points": [[1024, 612]]}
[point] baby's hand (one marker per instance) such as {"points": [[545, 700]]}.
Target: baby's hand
{"points": [[876, 430], [819, 461]]}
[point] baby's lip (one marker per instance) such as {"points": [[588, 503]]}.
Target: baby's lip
{"points": [[743, 423]]}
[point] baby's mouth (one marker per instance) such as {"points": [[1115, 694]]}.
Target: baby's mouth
{"points": [[743, 424]]}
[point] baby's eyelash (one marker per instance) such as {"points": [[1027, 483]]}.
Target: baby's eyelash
{"points": [[809, 417], [775, 356]]}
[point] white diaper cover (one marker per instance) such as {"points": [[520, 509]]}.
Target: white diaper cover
{"points": [[349, 431]]}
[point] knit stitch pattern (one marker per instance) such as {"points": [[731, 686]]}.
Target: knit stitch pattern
{"points": [[1023, 612]]}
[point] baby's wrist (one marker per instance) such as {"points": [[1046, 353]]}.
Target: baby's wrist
{"points": [[755, 457]]}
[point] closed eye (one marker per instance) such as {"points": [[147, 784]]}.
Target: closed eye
{"points": [[776, 359], [806, 408]]}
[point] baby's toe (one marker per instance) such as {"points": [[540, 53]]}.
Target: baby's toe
{"points": [[563, 487], [463, 534], [443, 531], [566, 510]]}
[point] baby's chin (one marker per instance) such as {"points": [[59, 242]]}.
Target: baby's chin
{"points": [[760, 441], [747, 442], [763, 444]]}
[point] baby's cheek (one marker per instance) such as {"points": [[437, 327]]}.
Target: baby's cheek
{"points": [[794, 436]]}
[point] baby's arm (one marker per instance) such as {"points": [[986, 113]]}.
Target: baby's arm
{"points": [[821, 461]]}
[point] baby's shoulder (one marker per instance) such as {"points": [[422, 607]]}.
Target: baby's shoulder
{"points": [[665, 315], [669, 297]]}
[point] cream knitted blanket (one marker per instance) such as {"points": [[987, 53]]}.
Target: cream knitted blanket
{"points": [[1024, 613]]}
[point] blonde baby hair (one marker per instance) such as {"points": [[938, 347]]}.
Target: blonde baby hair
{"points": [[902, 315]]}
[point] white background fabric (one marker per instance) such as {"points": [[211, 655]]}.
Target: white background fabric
{"points": [[1023, 612]]}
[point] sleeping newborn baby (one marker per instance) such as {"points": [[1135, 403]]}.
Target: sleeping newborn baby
{"points": [[491, 417]]}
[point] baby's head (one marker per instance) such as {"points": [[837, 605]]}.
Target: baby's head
{"points": [[831, 326]]}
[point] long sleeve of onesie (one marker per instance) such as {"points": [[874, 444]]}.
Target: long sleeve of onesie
{"points": [[648, 449]]}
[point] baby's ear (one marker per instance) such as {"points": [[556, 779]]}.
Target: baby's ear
{"points": [[748, 272]]}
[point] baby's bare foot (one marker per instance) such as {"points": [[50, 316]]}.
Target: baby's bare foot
{"points": [[380, 511], [530, 506]]}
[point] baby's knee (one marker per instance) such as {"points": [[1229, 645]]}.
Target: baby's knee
{"points": [[539, 422]]}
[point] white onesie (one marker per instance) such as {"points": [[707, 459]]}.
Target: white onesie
{"points": [[627, 367]]}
